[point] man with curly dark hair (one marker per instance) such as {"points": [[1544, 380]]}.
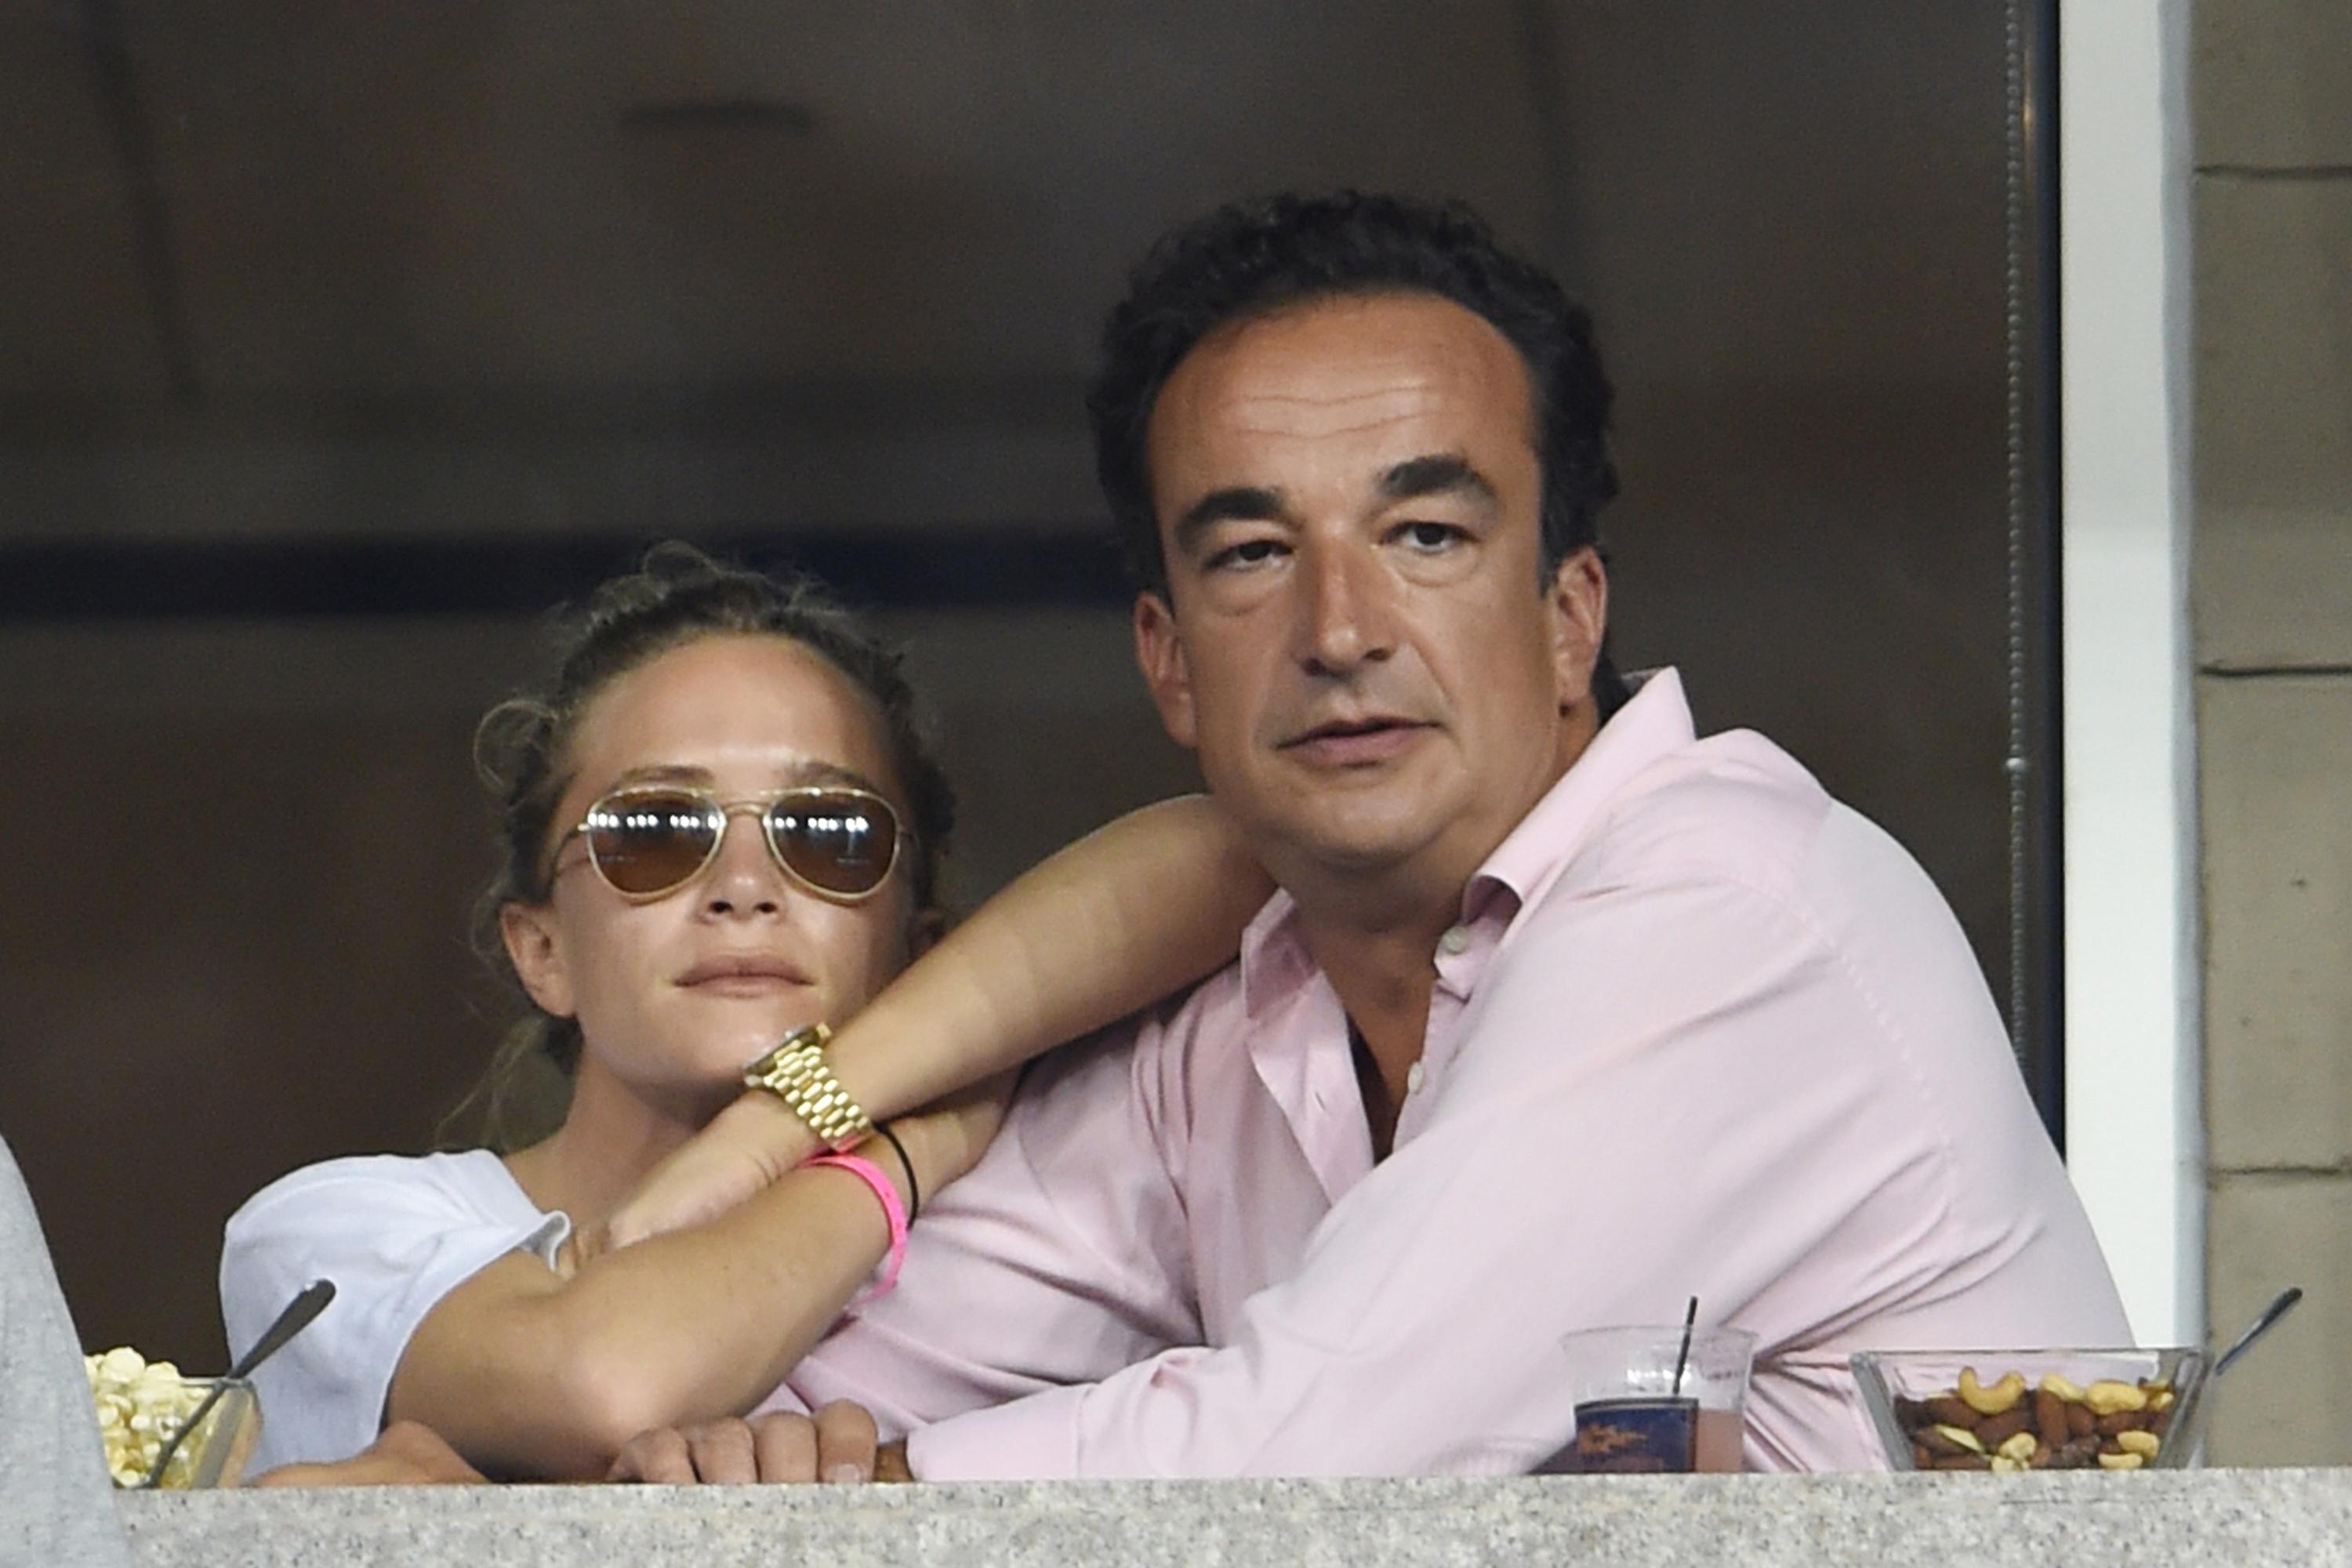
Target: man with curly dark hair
{"points": [[1561, 1014]]}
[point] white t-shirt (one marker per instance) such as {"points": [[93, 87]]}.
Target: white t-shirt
{"points": [[395, 1234]]}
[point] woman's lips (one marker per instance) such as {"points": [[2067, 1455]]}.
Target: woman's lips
{"points": [[741, 974], [744, 986]]}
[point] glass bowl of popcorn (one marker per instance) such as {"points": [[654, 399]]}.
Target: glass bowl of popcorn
{"points": [[141, 1403]]}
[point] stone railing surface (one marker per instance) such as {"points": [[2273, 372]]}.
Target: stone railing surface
{"points": [[2208, 1519]]}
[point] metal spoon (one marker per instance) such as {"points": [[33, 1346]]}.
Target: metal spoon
{"points": [[295, 1316], [2280, 1304]]}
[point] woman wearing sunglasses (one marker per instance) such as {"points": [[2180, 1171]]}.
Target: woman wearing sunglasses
{"points": [[720, 831]]}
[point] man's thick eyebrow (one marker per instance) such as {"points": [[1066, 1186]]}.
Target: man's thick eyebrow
{"points": [[1234, 503], [1439, 473]]}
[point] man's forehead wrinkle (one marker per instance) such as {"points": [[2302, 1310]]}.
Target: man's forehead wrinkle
{"points": [[1340, 413]]}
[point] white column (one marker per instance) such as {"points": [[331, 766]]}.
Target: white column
{"points": [[2134, 1127]]}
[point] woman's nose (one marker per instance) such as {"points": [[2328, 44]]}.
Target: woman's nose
{"points": [[743, 877]]}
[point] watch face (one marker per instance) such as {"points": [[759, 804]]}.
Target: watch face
{"points": [[761, 1068]]}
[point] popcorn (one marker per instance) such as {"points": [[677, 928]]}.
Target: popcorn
{"points": [[139, 1404]]}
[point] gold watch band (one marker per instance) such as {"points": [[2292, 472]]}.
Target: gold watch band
{"points": [[795, 1072]]}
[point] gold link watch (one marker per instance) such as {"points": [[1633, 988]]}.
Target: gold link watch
{"points": [[795, 1071]]}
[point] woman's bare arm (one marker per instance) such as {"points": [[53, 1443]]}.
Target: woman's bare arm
{"points": [[745, 1260], [530, 1374], [1135, 910]]}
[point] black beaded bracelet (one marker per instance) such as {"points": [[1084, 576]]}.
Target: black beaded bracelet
{"points": [[913, 1192]]}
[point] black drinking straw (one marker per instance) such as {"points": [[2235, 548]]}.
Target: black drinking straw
{"points": [[1681, 1356]]}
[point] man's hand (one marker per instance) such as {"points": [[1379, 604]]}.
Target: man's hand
{"points": [[406, 1454], [837, 1444], [747, 1146]]}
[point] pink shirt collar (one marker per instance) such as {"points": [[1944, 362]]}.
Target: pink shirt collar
{"points": [[1275, 964]]}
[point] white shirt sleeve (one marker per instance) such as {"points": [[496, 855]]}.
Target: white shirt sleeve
{"points": [[395, 1235]]}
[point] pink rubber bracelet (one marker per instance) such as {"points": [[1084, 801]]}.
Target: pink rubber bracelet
{"points": [[869, 1172]]}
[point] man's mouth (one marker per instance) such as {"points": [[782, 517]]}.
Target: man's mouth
{"points": [[1344, 741]]}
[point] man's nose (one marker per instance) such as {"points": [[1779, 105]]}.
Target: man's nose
{"points": [[744, 878], [1344, 617]]}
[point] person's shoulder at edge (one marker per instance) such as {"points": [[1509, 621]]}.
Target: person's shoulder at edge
{"points": [[467, 1181], [1732, 803]]}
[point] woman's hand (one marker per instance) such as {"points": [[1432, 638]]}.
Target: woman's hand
{"points": [[948, 1137], [404, 1454], [758, 1138], [747, 1146], [836, 1445]]}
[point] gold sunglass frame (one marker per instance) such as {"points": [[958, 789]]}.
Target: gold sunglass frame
{"points": [[729, 807]]}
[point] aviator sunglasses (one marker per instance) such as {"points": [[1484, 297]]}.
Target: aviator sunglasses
{"points": [[647, 840]]}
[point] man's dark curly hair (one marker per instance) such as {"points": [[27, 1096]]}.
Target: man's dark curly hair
{"points": [[1257, 257], [1252, 259]]}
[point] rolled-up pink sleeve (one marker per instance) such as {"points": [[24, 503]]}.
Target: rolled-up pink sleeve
{"points": [[1686, 1088]]}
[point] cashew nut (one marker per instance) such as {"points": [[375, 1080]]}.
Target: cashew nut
{"points": [[1998, 1400], [1961, 1436], [2107, 1396]]}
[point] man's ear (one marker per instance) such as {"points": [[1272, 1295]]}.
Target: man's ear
{"points": [[1160, 651], [1578, 599], [536, 951]]}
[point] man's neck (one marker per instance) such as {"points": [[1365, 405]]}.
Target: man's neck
{"points": [[1375, 938], [1383, 980]]}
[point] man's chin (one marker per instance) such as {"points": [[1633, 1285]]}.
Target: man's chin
{"points": [[1358, 843]]}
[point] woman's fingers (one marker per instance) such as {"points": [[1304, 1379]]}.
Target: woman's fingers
{"points": [[778, 1447], [785, 1445], [723, 1452], [660, 1456], [845, 1440]]}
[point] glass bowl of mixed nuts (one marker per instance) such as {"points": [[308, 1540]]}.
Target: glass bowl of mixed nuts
{"points": [[2017, 1410]]}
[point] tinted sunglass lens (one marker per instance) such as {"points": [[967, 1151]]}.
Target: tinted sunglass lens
{"points": [[650, 843], [842, 844]]}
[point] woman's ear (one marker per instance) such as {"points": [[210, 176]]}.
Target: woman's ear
{"points": [[925, 931], [535, 947]]}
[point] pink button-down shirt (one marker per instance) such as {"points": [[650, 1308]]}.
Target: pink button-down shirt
{"points": [[1700, 1029]]}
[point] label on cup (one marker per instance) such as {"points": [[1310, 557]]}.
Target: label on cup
{"points": [[1637, 1436]]}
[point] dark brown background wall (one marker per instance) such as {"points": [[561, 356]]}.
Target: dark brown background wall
{"points": [[519, 276]]}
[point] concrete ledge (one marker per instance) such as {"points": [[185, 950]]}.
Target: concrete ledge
{"points": [[2207, 1519]]}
